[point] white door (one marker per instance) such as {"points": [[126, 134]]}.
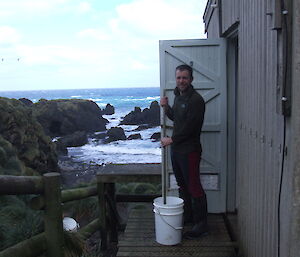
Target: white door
{"points": [[208, 60]]}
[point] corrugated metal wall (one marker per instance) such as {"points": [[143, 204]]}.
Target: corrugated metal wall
{"points": [[259, 133], [230, 13]]}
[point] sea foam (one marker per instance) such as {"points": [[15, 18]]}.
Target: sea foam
{"points": [[128, 151]]}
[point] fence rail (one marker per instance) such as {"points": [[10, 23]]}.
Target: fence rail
{"points": [[33, 246], [50, 199], [17, 185], [38, 203]]}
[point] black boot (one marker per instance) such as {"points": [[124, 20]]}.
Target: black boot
{"points": [[187, 207], [200, 228]]}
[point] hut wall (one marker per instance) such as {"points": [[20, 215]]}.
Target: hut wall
{"points": [[259, 133], [230, 13], [259, 123]]}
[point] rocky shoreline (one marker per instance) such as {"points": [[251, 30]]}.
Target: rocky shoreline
{"points": [[34, 136]]}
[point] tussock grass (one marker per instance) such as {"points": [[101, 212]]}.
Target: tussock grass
{"points": [[18, 222], [138, 188], [74, 244], [86, 209]]}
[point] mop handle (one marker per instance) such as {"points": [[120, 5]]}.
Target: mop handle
{"points": [[164, 170]]}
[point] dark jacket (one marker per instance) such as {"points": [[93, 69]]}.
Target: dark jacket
{"points": [[188, 114]]}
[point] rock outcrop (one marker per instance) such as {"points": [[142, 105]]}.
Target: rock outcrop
{"points": [[24, 147], [143, 127], [108, 110], [134, 136], [64, 117], [26, 101], [115, 134], [155, 136], [150, 116], [78, 138]]}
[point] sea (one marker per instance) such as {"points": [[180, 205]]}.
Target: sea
{"points": [[124, 101]]}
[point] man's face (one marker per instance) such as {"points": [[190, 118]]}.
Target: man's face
{"points": [[183, 80]]}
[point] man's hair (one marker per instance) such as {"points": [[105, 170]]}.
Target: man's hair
{"points": [[185, 67]]}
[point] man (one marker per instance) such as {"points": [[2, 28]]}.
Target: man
{"points": [[187, 113]]}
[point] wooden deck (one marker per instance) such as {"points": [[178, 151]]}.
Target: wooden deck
{"points": [[138, 239]]}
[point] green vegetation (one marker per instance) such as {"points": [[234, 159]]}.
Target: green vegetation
{"points": [[9, 161], [24, 147], [18, 222], [83, 210], [138, 188]]}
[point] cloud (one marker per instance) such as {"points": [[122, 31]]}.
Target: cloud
{"points": [[60, 55], [137, 65], [92, 33], [162, 18], [34, 8], [9, 35], [84, 7], [134, 32], [119, 46]]}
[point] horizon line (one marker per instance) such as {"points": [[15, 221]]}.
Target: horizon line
{"points": [[52, 89]]}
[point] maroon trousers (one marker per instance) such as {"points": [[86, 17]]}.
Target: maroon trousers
{"points": [[187, 173]]}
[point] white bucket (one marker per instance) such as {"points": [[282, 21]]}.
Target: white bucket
{"points": [[70, 224], [168, 220]]}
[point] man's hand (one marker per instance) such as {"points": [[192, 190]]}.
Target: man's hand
{"points": [[165, 141], [164, 101]]}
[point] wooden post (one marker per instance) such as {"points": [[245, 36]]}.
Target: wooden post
{"points": [[53, 215], [102, 214], [112, 213]]}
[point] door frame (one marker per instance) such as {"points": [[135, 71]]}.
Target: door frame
{"points": [[232, 85]]}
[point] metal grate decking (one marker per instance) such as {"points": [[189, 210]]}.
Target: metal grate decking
{"points": [[139, 239]]}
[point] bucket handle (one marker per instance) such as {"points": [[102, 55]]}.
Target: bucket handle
{"points": [[176, 228]]}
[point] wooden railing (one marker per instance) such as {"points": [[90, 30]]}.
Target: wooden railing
{"points": [[106, 184], [50, 199]]}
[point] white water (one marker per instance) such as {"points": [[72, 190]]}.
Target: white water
{"points": [[123, 151]]}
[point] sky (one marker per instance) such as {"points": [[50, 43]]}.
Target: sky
{"points": [[72, 44]]}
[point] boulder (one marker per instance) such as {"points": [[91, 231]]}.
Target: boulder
{"points": [[79, 138], [115, 134], [64, 117], [61, 148], [25, 147], [26, 101], [150, 116], [98, 136], [135, 117], [134, 136], [109, 110], [142, 127], [155, 136]]}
